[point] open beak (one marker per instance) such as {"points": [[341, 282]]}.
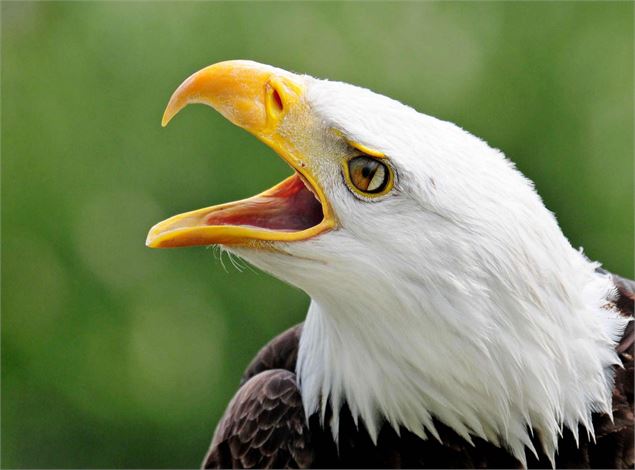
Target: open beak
{"points": [[259, 99]]}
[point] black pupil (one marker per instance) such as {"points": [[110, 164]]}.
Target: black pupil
{"points": [[366, 171]]}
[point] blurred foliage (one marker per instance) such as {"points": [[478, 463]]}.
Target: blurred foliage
{"points": [[114, 355]]}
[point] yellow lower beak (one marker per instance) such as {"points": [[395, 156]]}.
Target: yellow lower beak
{"points": [[257, 98]]}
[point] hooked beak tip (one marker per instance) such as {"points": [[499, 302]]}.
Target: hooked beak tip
{"points": [[248, 94]]}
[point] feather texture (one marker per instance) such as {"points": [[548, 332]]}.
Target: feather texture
{"points": [[452, 303], [264, 426], [454, 298]]}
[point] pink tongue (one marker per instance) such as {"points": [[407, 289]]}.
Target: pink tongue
{"points": [[291, 207]]}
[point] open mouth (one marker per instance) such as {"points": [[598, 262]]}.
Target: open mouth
{"points": [[257, 98], [290, 206], [291, 210]]}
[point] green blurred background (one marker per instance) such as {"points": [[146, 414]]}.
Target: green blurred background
{"points": [[115, 355]]}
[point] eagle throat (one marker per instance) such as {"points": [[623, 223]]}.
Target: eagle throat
{"points": [[407, 364]]}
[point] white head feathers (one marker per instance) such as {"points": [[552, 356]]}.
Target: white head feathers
{"points": [[456, 296]]}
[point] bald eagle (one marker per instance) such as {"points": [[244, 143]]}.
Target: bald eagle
{"points": [[451, 323]]}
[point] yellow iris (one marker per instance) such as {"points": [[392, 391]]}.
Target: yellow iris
{"points": [[368, 176]]}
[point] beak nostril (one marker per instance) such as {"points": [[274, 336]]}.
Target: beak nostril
{"points": [[277, 100], [274, 103]]}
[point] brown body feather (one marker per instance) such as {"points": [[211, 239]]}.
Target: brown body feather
{"points": [[265, 426]]}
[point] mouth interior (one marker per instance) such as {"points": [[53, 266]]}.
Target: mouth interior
{"points": [[290, 206]]}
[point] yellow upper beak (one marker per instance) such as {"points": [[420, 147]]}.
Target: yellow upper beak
{"points": [[257, 98]]}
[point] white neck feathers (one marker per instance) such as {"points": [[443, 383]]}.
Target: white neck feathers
{"points": [[483, 359]]}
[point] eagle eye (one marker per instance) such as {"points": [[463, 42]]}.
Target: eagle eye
{"points": [[368, 176]]}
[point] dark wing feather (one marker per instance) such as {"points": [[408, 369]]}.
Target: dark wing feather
{"points": [[264, 426], [279, 353], [614, 446], [625, 297]]}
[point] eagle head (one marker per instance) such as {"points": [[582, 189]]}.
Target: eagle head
{"points": [[441, 286]]}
